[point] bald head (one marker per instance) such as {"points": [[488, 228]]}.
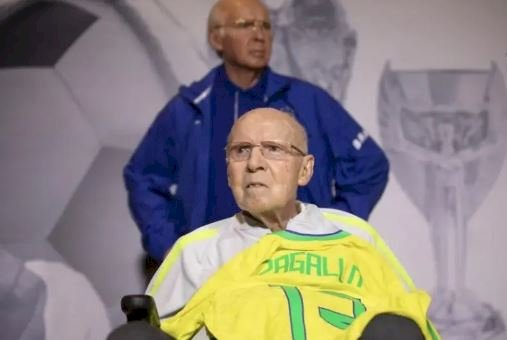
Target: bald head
{"points": [[222, 8], [284, 124], [217, 15]]}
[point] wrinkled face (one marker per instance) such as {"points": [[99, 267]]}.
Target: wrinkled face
{"points": [[262, 185], [240, 43]]}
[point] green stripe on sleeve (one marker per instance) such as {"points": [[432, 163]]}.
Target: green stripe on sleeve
{"points": [[175, 253]]}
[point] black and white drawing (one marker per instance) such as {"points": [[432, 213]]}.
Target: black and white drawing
{"points": [[313, 41], [77, 91], [444, 132]]}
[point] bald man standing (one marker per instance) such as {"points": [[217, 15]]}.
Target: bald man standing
{"points": [[176, 180]]}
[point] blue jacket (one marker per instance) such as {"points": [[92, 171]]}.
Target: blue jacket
{"points": [[167, 181]]}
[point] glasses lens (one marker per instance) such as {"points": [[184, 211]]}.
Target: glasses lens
{"points": [[251, 24], [244, 24], [266, 25], [269, 149], [274, 150], [240, 152]]}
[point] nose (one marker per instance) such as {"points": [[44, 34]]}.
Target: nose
{"points": [[259, 33], [256, 161]]}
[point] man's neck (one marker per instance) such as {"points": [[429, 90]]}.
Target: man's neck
{"points": [[241, 77], [277, 220]]}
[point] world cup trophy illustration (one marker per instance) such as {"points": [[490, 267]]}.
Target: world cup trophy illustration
{"points": [[445, 134], [313, 40]]}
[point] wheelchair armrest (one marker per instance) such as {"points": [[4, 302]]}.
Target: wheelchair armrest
{"points": [[140, 308]]}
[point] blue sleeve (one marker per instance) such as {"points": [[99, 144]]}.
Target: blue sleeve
{"points": [[149, 174], [360, 166]]}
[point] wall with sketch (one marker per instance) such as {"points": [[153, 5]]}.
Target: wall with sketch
{"points": [[80, 81]]}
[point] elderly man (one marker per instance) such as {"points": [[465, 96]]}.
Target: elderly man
{"points": [[176, 180], [245, 277]]}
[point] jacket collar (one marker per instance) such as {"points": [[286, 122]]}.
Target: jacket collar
{"points": [[276, 84], [198, 92]]}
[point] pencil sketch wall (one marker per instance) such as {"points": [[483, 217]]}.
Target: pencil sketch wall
{"points": [[444, 133], [80, 82]]}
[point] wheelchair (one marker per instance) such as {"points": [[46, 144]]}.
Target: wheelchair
{"points": [[143, 321]]}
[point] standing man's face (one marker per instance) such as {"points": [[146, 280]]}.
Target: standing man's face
{"points": [[245, 38]]}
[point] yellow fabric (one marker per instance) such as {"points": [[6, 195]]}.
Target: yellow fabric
{"points": [[289, 286], [380, 244]]}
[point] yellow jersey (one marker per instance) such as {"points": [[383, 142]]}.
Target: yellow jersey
{"points": [[300, 287]]}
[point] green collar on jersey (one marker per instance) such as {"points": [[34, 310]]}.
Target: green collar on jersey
{"points": [[295, 236]]}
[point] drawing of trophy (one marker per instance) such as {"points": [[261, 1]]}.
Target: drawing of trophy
{"points": [[313, 41], [445, 134]]}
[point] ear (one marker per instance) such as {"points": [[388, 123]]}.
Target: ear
{"points": [[306, 170], [215, 38]]}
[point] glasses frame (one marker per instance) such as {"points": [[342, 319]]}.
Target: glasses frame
{"points": [[248, 25], [287, 148]]}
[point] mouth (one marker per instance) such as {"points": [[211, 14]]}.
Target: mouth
{"points": [[258, 53], [255, 185]]}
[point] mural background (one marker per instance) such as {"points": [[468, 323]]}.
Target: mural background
{"points": [[70, 119]]}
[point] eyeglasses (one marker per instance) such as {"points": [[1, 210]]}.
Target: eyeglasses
{"points": [[248, 25], [269, 149]]}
